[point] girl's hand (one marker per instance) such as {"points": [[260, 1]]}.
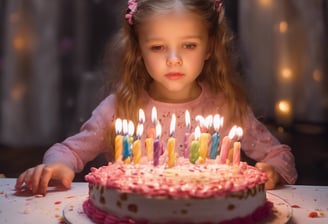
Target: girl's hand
{"points": [[274, 177], [37, 178]]}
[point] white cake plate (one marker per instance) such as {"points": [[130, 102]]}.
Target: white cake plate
{"points": [[282, 212]]}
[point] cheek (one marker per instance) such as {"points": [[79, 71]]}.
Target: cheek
{"points": [[151, 64]]}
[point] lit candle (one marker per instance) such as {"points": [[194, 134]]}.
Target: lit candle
{"points": [[171, 144], [137, 145], [157, 145], [118, 140], [226, 145], [217, 123], [203, 146], [194, 147], [142, 116], [126, 143], [149, 142], [186, 141], [237, 146]]}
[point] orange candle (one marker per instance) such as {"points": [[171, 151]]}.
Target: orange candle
{"points": [[236, 147], [171, 144]]}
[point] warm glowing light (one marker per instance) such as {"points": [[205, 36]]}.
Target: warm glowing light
{"points": [[284, 107], [265, 3], [286, 73], [317, 75], [19, 42], [283, 27]]}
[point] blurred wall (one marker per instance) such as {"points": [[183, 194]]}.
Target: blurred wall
{"points": [[284, 59], [50, 60]]}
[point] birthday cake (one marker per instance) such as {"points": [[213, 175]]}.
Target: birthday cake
{"points": [[186, 193]]}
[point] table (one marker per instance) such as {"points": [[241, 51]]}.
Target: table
{"points": [[26, 208]]}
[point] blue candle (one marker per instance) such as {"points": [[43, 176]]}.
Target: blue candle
{"points": [[126, 147], [217, 123], [126, 142], [215, 145]]}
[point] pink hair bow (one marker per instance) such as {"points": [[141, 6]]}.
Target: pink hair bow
{"points": [[132, 8]]}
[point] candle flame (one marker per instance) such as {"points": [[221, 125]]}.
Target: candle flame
{"points": [[118, 126], [208, 121], [172, 125], [125, 127], [232, 132], [197, 133], [140, 129], [239, 132], [158, 130], [187, 118], [236, 131], [154, 115], [217, 122], [200, 119], [142, 116], [130, 128]]}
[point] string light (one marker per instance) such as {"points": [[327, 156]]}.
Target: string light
{"points": [[283, 27], [265, 3], [317, 75], [286, 74]]}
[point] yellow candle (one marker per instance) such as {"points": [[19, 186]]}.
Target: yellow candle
{"points": [[118, 140], [136, 151], [203, 146], [149, 148], [171, 144]]}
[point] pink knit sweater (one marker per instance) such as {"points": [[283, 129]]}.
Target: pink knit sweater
{"points": [[257, 142]]}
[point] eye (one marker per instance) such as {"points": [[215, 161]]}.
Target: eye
{"points": [[157, 47], [189, 46]]}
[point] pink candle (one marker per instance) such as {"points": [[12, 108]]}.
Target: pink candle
{"points": [[186, 141], [226, 146]]}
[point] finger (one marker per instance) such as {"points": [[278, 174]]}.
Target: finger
{"points": [[45, 178], [28, 178], [35, 179], [20, 181]]}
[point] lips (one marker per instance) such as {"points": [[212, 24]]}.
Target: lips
{"points": [[174, 75]]}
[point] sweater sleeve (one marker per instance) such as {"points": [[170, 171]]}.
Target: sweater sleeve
{"points": [[77, 150], [259, 144]]}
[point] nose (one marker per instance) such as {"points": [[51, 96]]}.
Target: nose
{"points": [[173, 59]]}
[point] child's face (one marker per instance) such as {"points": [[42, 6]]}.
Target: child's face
{"points": [[174, 48]]}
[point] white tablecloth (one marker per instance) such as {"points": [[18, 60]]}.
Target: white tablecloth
{"points": [[26, 208]]}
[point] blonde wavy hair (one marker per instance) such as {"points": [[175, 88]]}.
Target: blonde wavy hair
{"points": [[219, 71]]}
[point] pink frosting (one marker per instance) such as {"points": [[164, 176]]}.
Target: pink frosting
{"points": [[99, 216], [182, 181]]}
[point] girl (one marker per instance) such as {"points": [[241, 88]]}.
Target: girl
{"points": [[175, 55]]}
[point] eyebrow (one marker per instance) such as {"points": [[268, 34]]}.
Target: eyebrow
{"points": [[199, 37]]}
